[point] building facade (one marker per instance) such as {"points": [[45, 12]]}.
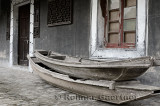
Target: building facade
{"points": [[95, 29]]}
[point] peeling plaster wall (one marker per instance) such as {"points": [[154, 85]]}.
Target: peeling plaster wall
{"points": [[67, 39], [4, 44], [15, 2]]}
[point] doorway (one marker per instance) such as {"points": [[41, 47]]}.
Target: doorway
{"points": [[23, 34]]}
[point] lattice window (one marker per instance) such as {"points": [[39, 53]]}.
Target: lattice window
{"points": [[59, 12], [36, 18]]}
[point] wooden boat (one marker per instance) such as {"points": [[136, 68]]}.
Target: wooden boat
{"points": [[97, 70], [108, 91]]}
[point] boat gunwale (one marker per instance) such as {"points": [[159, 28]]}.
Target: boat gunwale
{"points": [[94, 65]]}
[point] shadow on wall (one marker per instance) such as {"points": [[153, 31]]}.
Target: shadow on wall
{"points": [[154, 28], [4, 44], [151, 77]]}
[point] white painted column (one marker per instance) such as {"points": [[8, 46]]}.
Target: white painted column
{"points": [[93, 37], [11, 38], [31, 39], [147, 16]]}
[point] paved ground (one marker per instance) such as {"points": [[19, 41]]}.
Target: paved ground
{"points": [[21, 88]]}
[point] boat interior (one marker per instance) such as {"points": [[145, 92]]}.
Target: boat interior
{"points": [[69, 59]]}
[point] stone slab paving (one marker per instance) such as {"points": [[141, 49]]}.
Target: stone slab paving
{"points": [[21, 88]]}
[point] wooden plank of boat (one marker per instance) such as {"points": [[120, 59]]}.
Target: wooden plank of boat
{"points": [[107, 91], [97, 70]]}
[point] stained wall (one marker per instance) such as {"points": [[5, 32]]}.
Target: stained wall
{"points": [[70, 39]]}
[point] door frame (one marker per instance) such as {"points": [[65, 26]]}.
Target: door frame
{"points": [[13, 59]]}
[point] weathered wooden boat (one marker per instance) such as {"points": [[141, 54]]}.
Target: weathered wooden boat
{"points": [[97, 70], [107, 91]]}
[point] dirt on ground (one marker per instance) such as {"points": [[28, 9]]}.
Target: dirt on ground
{"points": [[22, 88]]}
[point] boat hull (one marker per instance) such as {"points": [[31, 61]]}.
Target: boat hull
{"points": [[96, 73], [116, 74], [119, 94]]}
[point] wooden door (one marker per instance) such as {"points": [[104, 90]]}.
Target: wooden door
{"points": [[23, 39]]}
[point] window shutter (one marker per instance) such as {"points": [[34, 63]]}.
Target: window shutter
{"points": [[36, 18], [120, 23]]}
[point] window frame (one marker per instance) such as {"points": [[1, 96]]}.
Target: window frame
{"points": [[121, 43], [99, 52]]}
